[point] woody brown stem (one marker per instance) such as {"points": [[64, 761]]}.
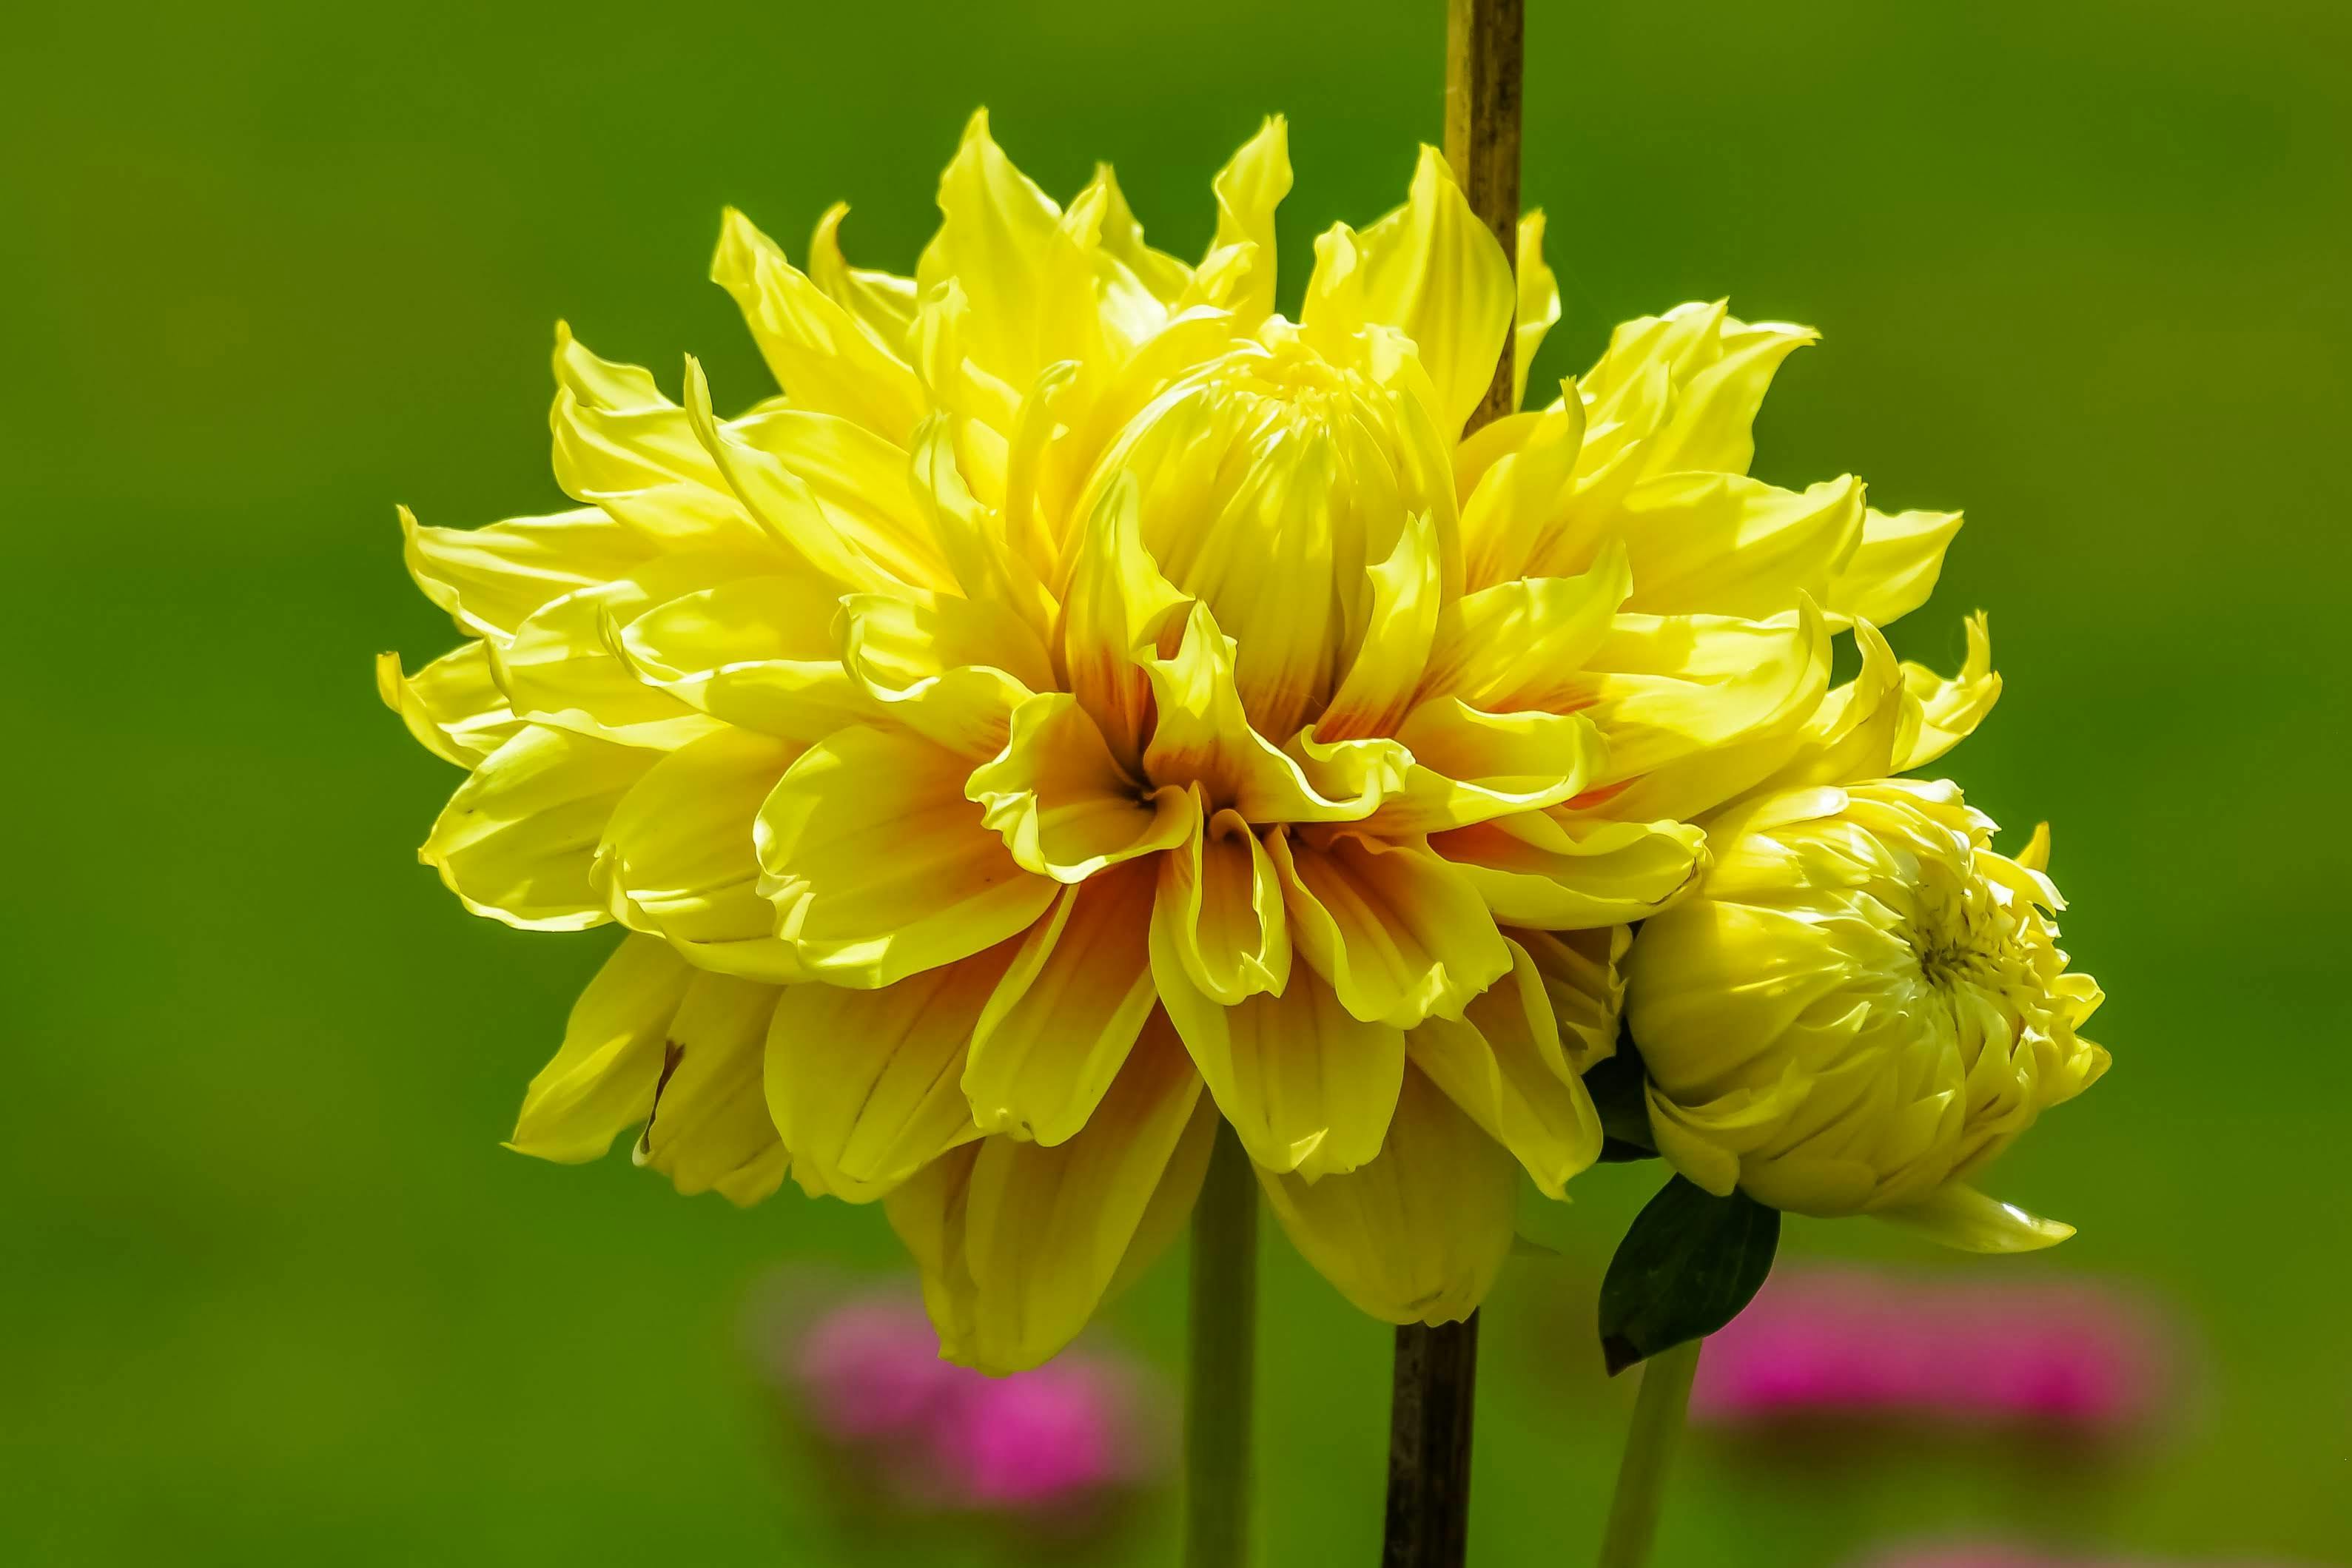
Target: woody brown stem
{"points": [[1436, 1378]]}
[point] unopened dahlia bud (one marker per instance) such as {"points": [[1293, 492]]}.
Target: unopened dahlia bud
{"points": [[1861, 1008]]}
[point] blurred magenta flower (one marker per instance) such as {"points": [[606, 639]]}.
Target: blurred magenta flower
{"points": [[1846, 1343], [1996, 1556], [859, 1372]]}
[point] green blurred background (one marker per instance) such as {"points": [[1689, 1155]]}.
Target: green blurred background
{"points": [[273, 1292]]}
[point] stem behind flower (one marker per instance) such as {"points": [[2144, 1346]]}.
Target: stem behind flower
{"points": [[1658, 1412], [1220, 1372]]}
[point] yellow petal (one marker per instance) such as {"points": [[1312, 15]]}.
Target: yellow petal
{"points": [[602, 1079], [1960, 1216], [618, 437], [942, 667], [491, 579], [1524, 644], [972, 537], [2036, 856], [1379, 686], [452, 706], [861, 483], [822, 358], [1062, 1021], [995, 229], [518, 839], [864, 1084], [1685, 386], [1538, 311], [1723, 544], [1248, 190], [1895, 566], [1433, 270], [1584, 981], [881, 302], [1202, 736], [756, 652], [1468, 766], [785, 506], [1860, 729], [1419, 1235], [1116, 610], [1950, 710], [677, 856], [953, 377], [1019, 1242], [880, 867], [1514, 509], [1219, 911], [1306, 1087], [708, 1129], [1554, 871], [1065, 806], [1166, 277], [561, 668], [1401, 935], [1696, 708], [1503, 1064]]}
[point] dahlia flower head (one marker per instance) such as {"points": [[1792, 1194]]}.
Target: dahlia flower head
{"points": [[1087, 704]]}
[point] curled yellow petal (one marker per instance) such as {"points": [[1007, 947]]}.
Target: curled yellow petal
{"points": [[947, 668], [1538, 308], [1307, 1086], [1065, 806], [1419, 1234], [1502, 1062], [602, 1079], [1400, 934], [1248, 190], [1433, 270], [757, 651], [996, 228], [677, 857], [1960, 1216], [1059, 1025], [453, 705], [1555, 871], [878, 866], [1950, 710], [1894, 567], [518, 839], [1018, 1242], [881, 302], [709, 1129], [1218, 912], [822, 359], [491, 579], [864, 1084]]}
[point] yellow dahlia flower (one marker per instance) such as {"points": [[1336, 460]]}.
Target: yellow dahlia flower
{"points": [[1861, 1006], [1088, 703]]}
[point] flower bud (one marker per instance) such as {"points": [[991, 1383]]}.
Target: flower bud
{"points": [[1861, 1006]]}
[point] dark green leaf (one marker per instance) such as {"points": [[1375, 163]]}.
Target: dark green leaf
{"points": [[1689, 1262], [1615, 1083]]}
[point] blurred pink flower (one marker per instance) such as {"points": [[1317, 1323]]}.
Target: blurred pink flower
{"points": [[1841, 1343], [861, 1372], [2015, 1557]]}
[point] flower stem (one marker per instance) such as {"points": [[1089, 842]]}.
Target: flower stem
{"points": [[1220, 1373], [1658, 1411], [1484, 46], [1436, 1379]]}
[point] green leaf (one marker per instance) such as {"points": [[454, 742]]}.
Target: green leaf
{"points": [[1616, 1083], [1689, 1262]]}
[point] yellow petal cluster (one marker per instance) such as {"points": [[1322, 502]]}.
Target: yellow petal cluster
{"points": [[1087, 704], [1860, 1007]]}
